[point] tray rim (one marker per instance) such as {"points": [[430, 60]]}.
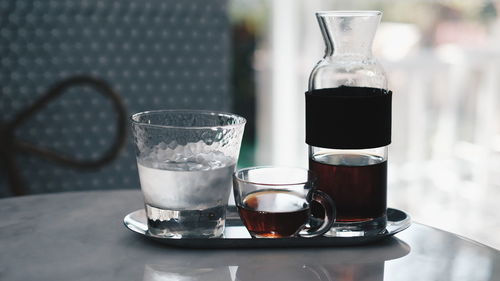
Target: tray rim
{"points": [[232, 216]]}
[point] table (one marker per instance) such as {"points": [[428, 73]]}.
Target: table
{"points": [[80, 236]]}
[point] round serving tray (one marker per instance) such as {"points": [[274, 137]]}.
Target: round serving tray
{"points": [[236, 235]]}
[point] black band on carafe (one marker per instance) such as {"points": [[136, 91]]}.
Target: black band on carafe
{"points": [[348, 117]]}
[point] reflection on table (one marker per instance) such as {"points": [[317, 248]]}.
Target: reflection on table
{"points": [[314, 265]]}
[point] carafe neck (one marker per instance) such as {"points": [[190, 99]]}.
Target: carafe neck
{"points": [[348, 33]]}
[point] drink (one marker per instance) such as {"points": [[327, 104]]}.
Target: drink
{"points": [[356, 183], [186, 159], [186, 197], [348, 123], [274, 214], [207, 222]]}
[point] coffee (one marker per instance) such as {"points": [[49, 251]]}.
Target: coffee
{"points": [[274, 202], [274, 213], [356, 183]]}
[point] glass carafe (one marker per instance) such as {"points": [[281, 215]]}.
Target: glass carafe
{"points": [[348, 122]]}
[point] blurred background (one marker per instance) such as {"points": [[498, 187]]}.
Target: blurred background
{"points": [[253, 57]]}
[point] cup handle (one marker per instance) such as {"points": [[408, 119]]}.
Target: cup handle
{"points": [[329, 210]]}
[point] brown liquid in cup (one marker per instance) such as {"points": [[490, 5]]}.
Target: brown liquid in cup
{"points": [[274, 214]]}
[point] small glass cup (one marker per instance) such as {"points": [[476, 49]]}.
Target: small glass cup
{"points": [[274, 202], [185, 160]]}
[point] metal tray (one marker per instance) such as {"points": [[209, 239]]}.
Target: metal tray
{"points": [[237, 236]]}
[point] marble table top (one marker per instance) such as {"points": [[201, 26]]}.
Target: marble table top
{"points": [[80, 236]]}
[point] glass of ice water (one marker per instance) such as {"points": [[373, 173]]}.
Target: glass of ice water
{"points": [[185, 160]]}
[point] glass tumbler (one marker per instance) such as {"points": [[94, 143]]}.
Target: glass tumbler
{"points": [[185, 160]]}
